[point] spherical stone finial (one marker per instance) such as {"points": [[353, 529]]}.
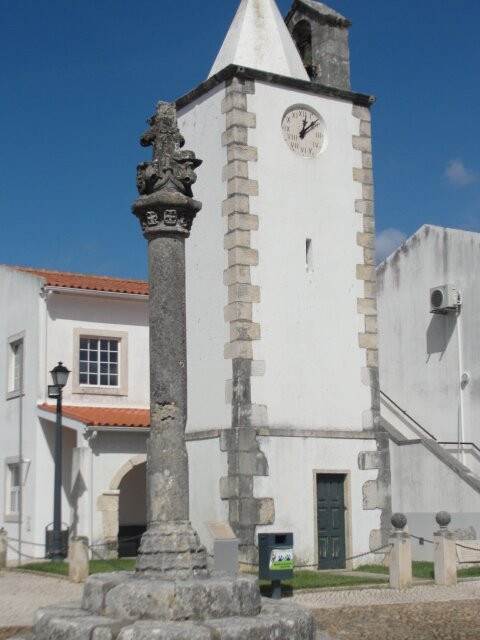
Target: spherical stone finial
{"points": [[443, 518], [399, 521]]}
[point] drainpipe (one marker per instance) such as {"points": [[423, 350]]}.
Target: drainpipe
{"points": [[462, 380]]}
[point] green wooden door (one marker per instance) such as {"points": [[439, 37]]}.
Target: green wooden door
{"points": [[331, 521]]}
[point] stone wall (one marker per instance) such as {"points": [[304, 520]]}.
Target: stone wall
{"points": [[376, 493]]}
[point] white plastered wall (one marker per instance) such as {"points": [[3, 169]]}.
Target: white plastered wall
{"points": [[202, 124], [207, 464], [67, 312], [419, 353], [22, 317], [309, 321], [293, 462]]}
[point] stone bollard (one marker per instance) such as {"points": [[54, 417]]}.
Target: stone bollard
{"points": [[400, 555], [3, 549], [445, 553], [78, 561]]}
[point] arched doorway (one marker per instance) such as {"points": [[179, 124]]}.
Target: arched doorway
{"points": [[132, 510]]}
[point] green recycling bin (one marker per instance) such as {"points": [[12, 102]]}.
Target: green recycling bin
{"points": [[275, 559]]}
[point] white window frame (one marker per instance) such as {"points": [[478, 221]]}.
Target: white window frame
{"points": [[87, 389], [15, 390], [10, 464]]}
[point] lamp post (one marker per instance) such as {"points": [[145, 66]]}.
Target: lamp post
{"points": [[59, 376]]}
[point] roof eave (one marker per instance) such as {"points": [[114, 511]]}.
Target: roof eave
{"points": [[245, 73]]}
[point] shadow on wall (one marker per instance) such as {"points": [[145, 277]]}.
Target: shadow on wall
{"points": [[439, 333]]}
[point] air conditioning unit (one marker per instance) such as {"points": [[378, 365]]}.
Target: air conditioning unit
{"points": [[444, 299]]}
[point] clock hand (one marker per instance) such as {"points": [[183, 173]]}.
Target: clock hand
{"points": [[311, 126], [304, 129]]}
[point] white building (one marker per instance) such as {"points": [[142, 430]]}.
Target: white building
{"points": [[430, 369], [281, 315], [99, 328], [283, 431]]}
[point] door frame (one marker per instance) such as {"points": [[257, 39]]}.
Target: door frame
{"points": [[347, 494]]}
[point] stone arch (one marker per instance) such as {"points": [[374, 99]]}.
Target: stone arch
{"points": [[125, 468], [108, 504]]}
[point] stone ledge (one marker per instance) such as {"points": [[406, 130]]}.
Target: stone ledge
{"points": [[362, 143], [242, 256], [368, 340], [234, 100], [236, 117], [366, 272], [362, 113], [242, 152], [243, 293], [235, 169], [239, 85], [242, 186], [366, 240], [244, 331], [239, 349], [242, 222], [235, 135], [237, 238], [368, 192], [363, 175], [236, 204], [365, 207], [239, 274], [238, 311]]}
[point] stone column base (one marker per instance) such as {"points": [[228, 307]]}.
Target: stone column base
{"points": [[274, 620], [172, 551]]}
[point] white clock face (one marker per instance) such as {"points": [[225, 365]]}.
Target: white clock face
{"points": [[303, 130]]}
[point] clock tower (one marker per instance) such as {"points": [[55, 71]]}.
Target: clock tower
{"points": [[283, 430]]}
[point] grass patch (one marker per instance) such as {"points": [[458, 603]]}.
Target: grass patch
{"points": [[423, 570], [96, 566], [316, 580], [471, 571]]}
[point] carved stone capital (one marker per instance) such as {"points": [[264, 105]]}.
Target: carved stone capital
{"points": [[165, 184], [166, 213]]}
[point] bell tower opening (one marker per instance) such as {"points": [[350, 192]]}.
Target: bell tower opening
{"points": [[302, 36], [321, 37]]}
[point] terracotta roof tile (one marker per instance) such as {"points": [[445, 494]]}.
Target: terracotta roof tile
{"points": [[104, 416], [92, 283]]}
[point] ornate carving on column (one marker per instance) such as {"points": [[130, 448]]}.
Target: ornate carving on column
{"points": [[166, 210], [167, 205]]}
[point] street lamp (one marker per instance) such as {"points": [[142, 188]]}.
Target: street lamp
{"points": [[59, 376]]}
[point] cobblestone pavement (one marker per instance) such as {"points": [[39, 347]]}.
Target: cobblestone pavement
{"points": [[323, 599], [453, 620], [420, 613], [22, 593]]}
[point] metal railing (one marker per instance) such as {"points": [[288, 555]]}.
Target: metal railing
{"points": [[430, 435]]}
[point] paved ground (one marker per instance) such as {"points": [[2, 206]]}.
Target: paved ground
{"points": [[420, 613], [21, 594], [323, 599]]}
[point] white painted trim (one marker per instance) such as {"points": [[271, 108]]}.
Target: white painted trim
{"points": [[93, 292]]}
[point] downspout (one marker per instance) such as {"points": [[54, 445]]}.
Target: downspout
{"points": [[20, 454], [461, 386]]}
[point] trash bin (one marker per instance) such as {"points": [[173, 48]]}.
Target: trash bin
{"points": [[275, 559], [64, 535]]}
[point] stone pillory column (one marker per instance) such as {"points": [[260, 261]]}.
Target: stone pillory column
{"points": [[166, 211]]}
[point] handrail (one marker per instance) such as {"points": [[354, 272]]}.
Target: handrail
{"points": [[471, 444], [408, 416]]}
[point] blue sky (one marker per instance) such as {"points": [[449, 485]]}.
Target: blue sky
{"points": [[80, 78]]}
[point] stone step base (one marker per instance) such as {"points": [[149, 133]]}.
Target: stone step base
{"points": [[276, 621]]}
